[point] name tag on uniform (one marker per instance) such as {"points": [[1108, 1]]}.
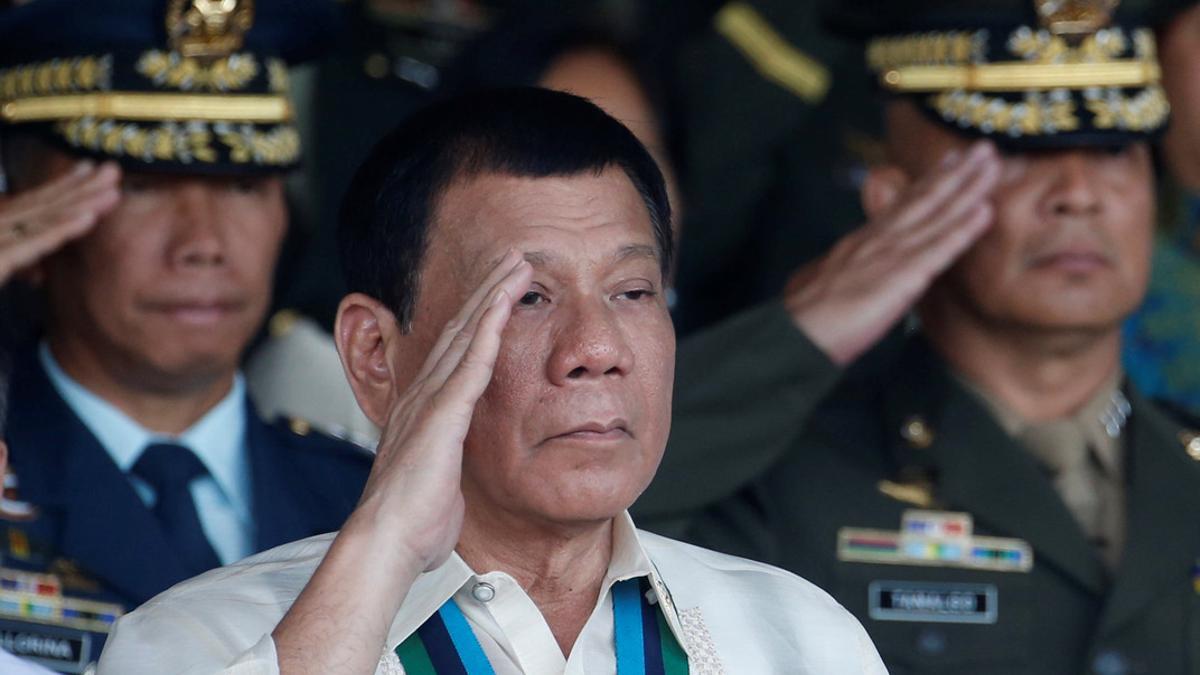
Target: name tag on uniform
{"points": [[937, 602], [58, 648]]}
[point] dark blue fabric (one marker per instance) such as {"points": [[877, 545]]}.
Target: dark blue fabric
{"points": [[46, 29], [169, 469], [89, 516], [440, 647], [651, 638]]}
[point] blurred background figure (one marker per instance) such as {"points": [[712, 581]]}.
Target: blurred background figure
{"points": [[11, 664], [144, 146], [1162, 341], [1000, 498]]}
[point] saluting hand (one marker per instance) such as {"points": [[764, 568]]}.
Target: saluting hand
{"points": [[847, 300], [411, 511], [38, 222], [416, 478]]}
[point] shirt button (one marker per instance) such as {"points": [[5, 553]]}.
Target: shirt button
{"points": [[483, 592]]}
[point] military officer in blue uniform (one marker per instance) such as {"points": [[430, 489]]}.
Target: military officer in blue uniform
{"points": [[1000, 499], [136, 459]]}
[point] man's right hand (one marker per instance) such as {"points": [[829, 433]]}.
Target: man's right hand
{"points": [[847, 300], [37, 222], [411, 511], [414, 490]]}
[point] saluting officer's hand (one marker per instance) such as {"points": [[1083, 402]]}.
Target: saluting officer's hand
{"points": [[414, 484], [38, 222], [847, 300]]}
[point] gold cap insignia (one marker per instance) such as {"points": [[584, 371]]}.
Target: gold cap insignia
{"points": [[208, 28], [1075, 18]]}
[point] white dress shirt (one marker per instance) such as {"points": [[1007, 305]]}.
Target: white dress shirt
{"points": [[731, 616], [222, 497]]}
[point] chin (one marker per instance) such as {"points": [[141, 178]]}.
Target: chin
{"points": [[587, 501], [194, 366]]}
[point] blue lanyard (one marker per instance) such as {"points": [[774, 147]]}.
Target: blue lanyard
{"points": [[446, 645]]}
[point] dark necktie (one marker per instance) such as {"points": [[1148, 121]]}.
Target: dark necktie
{"points": [[169, 469]]}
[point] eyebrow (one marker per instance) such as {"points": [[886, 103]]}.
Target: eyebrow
{"points": [[546, 258]]}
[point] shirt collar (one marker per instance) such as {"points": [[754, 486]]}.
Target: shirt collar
{"points": [[218, 438], [1089, 419], [432, 589]]}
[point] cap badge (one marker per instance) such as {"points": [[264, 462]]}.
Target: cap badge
{"points": [[208, 28], [1075, 18]]}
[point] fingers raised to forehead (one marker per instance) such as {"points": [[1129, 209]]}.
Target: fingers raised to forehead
{"points": [[469, 378], [84, 181], [932, 193], [963, 205], [513, 285], [472, 308]]}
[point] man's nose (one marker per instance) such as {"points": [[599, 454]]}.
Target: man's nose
{"points": [[197, 238], [589, 345], [1074, 190]]}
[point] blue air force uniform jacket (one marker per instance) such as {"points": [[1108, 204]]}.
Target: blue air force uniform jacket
{"points": [[71, 514]]}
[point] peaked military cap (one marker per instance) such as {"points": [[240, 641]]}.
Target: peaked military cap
{"points": [[192, 85], [1026, 73]]}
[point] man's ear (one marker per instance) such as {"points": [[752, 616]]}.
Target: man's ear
{"points": [[3, 459], [882, 189], [366, 333]]}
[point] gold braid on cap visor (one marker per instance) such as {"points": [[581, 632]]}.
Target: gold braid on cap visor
{"points": [[1116, 71], [929, 62]]}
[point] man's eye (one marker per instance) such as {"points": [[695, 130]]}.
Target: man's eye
{"points": [[246, 186], [638, 294], [532, 298], [132, 186]]}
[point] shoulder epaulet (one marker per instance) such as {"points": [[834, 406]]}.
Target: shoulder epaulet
{"points": [[282, 322], [1190, 439], [300, 427]]}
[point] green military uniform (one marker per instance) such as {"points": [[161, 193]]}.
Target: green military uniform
{"points": [[921, 440], [743, 391], [907, 499], [768, 114]]}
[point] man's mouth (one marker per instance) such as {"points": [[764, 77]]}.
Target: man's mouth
{"points": [[1073, 261], [596, 432], [196, 312]]}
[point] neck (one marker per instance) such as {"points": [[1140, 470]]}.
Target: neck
{"points": [[562, 569], [160, 409], [1041, 375]]}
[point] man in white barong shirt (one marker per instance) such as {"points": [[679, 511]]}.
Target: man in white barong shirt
{"points": [[508, 330]]}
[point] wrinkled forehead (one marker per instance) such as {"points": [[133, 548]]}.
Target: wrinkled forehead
{"points": [[580, 221]]}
